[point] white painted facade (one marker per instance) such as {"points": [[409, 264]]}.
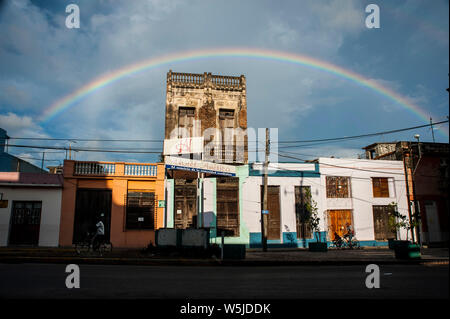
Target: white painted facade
{"points": [[289, 175], [361, 201], [50, 211], [252, 201]]}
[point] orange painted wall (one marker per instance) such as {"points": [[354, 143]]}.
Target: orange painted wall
{"points": [[119, 184]]}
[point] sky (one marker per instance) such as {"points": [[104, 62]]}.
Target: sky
{"points": [[42, 61]]}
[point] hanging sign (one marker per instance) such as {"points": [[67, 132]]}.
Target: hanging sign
{"points": [[199, 166]]}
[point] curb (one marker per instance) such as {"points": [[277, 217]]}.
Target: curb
{"points": [[213, 262]]}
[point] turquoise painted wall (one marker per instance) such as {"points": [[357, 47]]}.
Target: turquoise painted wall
{"points": [[244, 235]]}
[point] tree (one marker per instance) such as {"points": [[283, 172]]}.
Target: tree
{"points": [[398, 221], [311, 216]]}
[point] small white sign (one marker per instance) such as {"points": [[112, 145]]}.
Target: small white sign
{"points": [[183, 145], [178, 211], [140, 219]]}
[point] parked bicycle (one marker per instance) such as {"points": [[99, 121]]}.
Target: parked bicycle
{"points": [[87, 246]]}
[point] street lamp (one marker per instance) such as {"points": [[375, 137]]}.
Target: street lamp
{"points": [[70, 149], [417, 137]]}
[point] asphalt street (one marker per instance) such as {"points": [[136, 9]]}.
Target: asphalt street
{"points": [[124, 282]]}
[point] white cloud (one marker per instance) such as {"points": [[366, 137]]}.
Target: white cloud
{"points": [[279, 33], [20, 126]]}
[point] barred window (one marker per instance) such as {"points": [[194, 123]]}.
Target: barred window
{"points": [[303, 214], [140, 210], [338, 187], [380, 187]]}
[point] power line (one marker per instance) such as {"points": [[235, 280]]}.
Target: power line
{"points": [[279, 142], [353, 168], [83, 139], [363, 135], [39, 159], [84, 149]]}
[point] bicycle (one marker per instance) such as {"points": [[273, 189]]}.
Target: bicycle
{"points": [[347, 241], [350, 241], [337, 242], [86, 246]]}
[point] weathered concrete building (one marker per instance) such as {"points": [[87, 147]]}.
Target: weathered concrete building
{"points": [[427, 171], [206, 105], [206, 122]]}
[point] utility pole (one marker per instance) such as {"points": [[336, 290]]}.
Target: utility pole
{"points": [[264, 216], [42, 164], [416, 205], [70, 149], [432, 130]]}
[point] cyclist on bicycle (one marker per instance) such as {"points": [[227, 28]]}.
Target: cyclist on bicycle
{"points": [[338, 242], [350, 233], [99, 234]]}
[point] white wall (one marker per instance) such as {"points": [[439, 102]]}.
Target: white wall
{"points": [[168, 210], [252, 200], [50, 212], [361, 201], [209, 189]]}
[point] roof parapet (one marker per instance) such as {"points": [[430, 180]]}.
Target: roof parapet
{"points": [[194, 80]]}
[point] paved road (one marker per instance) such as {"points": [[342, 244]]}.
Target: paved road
{"points": [[116, 281]]}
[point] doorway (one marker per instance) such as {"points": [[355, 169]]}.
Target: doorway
{"points": [[434, 230], [381, 227], [89, 205], [25, 223], [185, 203], [337, 221], [302, 214], [273, 206]]}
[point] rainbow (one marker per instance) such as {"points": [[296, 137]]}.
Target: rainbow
{"points": [[108, 78]]}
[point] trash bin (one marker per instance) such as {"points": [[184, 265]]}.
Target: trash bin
{"points": [[406, 250], [234, 251]]}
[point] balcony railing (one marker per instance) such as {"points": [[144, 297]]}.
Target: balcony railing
{"points": [[140, 170], [94, 168], [114, 169], [206, 79]]}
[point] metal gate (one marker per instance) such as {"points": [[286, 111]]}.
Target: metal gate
{"points": [[25, 223], [228, 205], [302, 199], [90, 204]]}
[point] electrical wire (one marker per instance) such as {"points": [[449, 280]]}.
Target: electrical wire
{"points": [[363, 135], [279, 142]]}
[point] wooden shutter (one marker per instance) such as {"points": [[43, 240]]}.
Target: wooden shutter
{"points": [[228, 206], [380, 187]]}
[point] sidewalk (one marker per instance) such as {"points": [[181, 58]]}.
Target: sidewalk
{"points": [[273, 257]]}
